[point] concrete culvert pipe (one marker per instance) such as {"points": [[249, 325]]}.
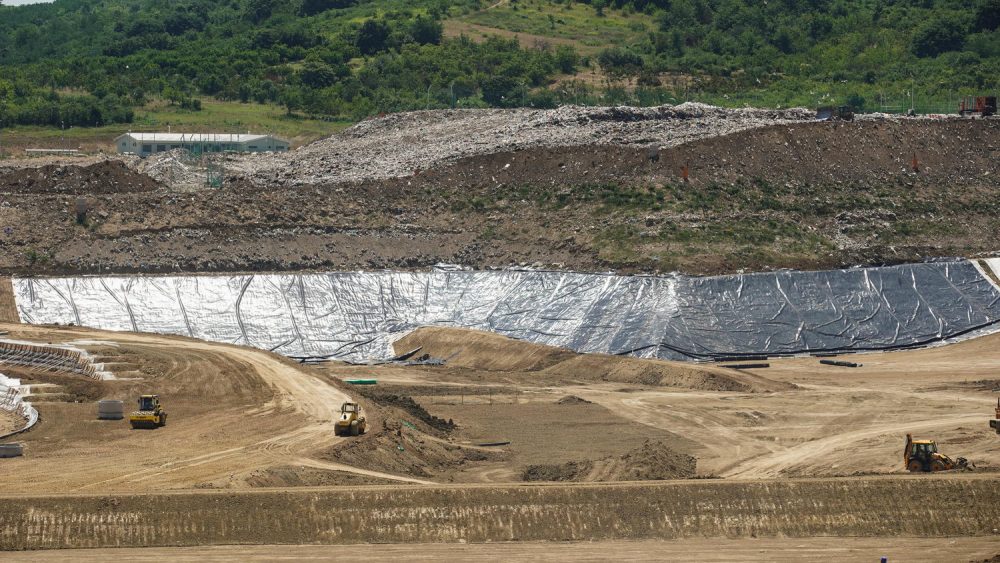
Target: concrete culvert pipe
{"points": [[110, 410], [11, 450]]}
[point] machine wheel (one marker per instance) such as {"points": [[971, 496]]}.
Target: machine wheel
{"points": [[163, 419], [914, 466], [938, 465], [354, 430]]}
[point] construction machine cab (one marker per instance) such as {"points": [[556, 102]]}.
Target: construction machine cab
{"points": [[148, 402], [923, 448], [349, 407]]}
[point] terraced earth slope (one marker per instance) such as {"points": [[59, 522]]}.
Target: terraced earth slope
{"points": [[776, 192]]}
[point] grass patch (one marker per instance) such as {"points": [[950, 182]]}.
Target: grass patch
{"points": [[214, 117], [573, 21]]}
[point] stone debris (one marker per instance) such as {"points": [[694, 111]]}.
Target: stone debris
{"points": [[404, 144], [176, 168]]}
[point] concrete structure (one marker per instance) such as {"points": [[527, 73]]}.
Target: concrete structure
{"points": [[145, 144]]}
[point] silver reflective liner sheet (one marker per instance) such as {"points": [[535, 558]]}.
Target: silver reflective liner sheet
{"points": [[357, 315]]}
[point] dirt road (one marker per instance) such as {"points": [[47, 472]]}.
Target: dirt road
{"points": [[277, 414], [801, 418]]}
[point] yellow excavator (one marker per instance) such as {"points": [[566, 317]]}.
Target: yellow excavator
{"points": [[351, 422], [923, 456], [150, 413]]}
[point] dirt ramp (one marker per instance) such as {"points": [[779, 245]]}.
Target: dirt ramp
{"points": [[487, 351], [933, 507], [663, 373], [651, 462], [481, 350]]}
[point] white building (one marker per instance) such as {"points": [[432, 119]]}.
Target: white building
{"points": [[145, 144]]}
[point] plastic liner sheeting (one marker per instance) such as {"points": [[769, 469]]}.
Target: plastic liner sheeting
{"points": [[12, 401], [356, 316]]}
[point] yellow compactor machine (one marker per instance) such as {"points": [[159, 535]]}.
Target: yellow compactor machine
{"points": [[150, 413], [351, 422]]}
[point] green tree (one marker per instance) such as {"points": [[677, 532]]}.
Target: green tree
{"points": [[567, 59], [619, 62], [372, 36], [291, 98], [317, 74], [939, 35], [988, 16], [425, 30], [498, 90]]}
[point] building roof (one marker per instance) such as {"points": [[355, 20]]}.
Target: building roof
{"points": [[197, 137]]}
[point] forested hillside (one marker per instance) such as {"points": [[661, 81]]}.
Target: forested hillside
{"points": [[91, 62]]}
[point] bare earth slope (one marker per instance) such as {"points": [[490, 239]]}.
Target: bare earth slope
{"points": [[588, 191], [213, 395], [478, 350]]}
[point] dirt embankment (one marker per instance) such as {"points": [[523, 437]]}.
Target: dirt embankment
{"points": [[487, 351], [804, 195], [856, 507], [650, 462]]}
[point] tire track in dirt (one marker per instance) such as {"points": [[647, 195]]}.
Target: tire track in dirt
{"points": [[773, 464], [312, 400]]}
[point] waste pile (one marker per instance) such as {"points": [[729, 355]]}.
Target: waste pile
{"points": [[403, 144]]}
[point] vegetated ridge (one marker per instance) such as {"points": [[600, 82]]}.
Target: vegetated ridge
{"points": [[84, 63]]}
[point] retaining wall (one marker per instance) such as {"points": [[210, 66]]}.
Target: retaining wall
{"points": [[47, 358], [922, 506]]}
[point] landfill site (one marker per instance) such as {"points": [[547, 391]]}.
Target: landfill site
{"points": [[675, 333]]}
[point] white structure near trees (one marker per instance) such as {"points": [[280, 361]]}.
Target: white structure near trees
{"points": [[145, 144]]}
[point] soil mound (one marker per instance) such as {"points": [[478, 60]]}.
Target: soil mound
{"points": [[572, 400], [487, 351], [408, 405], [108, 177], [481, 350], [652, 461], [655, 461]]}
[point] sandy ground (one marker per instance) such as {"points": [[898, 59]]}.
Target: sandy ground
{"points": [[722, 550], [10, 422], [835, 421], [241, 417], [231, 409]]}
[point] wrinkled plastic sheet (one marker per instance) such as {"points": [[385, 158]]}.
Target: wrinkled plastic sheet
{"points": [[14, 402], [357, 315]]}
